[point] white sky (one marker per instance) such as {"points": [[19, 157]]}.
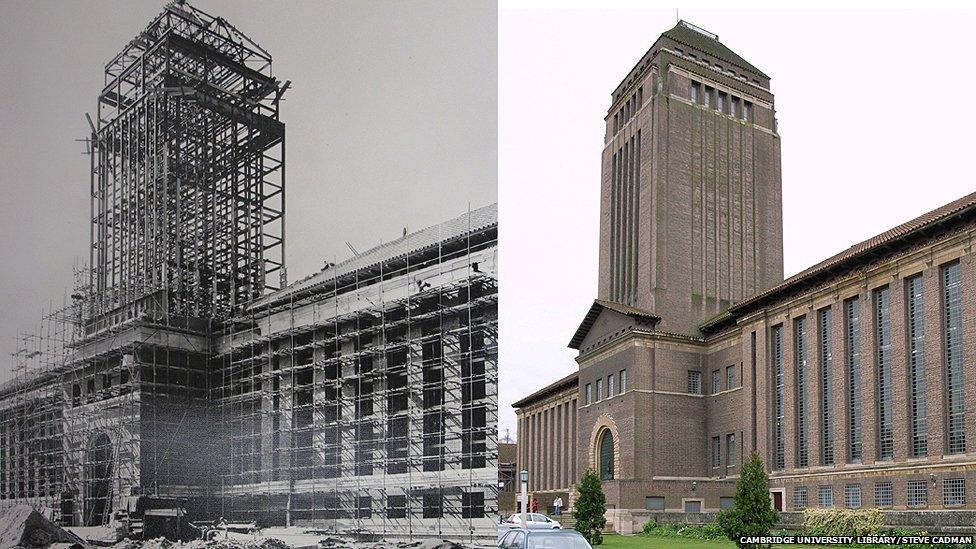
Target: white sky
{"points": [[874, 112]]}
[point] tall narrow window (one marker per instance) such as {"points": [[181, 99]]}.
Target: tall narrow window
{"points": [[952, 349], [722, 98], [696, 92], [918, 430], [623, 381], [716, 381], [716, 452], [734, 107], [730, 449], [826, 388], [694, 382], [853, 336], [747, 111], [611, 386], [730, 377], [606, 455], [852, 496], [599, 389], [589, 394], [800, 349], [708, 96], [779, 456], [882, 339]]}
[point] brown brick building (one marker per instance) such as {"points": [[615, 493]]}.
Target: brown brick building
{"points": [[848, 379]]}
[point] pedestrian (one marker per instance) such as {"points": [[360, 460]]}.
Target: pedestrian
{"points": [[557, 505], [535, 505]]}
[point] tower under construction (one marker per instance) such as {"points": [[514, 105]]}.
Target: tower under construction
{"points": [[183, 367]]}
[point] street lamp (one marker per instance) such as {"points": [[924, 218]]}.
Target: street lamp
{"points": [[524, 480]]}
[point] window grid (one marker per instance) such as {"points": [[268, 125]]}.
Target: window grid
{"points": [[883, 494], [716, 452], [730, 449], [954, 491], [853, 332], [826, 389], [800, 349], [716, 381], [918, 493], [779, 458], [918, 430], [623, 381], [611, 386], [826, 496], [952, 349], [882, 303], [852, 496], [599, 389], [694, 382], [589, 394], [730, 377], [799, 498]]}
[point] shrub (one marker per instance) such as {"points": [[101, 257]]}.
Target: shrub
{"points": [[842, 522], [753, 513], [693, 531], [590, 508]]}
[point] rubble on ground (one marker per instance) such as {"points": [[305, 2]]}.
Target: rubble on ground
{"points": [[23, 526], [272, 543]]}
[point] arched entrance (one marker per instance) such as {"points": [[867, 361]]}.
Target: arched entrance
{"points": [[98, 480], [606, 457]]}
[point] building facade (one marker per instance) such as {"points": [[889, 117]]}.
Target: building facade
{"points": [[186, 371], [847, 379]]}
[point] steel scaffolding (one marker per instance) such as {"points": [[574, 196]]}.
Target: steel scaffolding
{"points": [[183, 368]]}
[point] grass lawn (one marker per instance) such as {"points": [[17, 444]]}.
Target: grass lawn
{"points": [[641, 540], [613, 541]]}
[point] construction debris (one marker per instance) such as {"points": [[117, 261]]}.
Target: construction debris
{"points": [[22, 526]]}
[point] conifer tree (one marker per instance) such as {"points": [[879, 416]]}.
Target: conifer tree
{"points": [[590, 508], [753, 513]]}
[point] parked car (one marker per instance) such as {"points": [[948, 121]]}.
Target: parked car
{"points": [[526, 538], [532, 520]]}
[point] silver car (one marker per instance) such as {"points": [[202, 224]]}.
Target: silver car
{"points": [[524, 538], [532, 520]]}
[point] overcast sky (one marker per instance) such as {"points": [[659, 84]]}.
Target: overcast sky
{"points": [[874, 115], [391, 122]]}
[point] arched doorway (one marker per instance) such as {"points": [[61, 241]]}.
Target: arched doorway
{"points": [[98, 480], [605, 452]]}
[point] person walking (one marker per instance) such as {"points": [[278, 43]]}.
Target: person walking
{"points": [[557, 505]]}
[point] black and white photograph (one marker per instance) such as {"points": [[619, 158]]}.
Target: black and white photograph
{"points": [[219, 336]]}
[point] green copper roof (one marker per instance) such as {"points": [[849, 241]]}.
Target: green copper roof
{"points": [[705, 42]]}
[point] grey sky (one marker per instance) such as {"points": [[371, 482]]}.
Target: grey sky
{"points": [[873, 114], [391, 122]]}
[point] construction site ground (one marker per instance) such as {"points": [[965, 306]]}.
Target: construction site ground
{"points": [[268, 538]]}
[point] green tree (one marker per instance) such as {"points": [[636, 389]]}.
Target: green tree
{"points": [[589, 509], [753, 513]]}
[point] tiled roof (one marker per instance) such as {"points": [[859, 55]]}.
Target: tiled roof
{"points": [[594, 312], [551, 389], [685, 34], [461, 225], [851, 255]]}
